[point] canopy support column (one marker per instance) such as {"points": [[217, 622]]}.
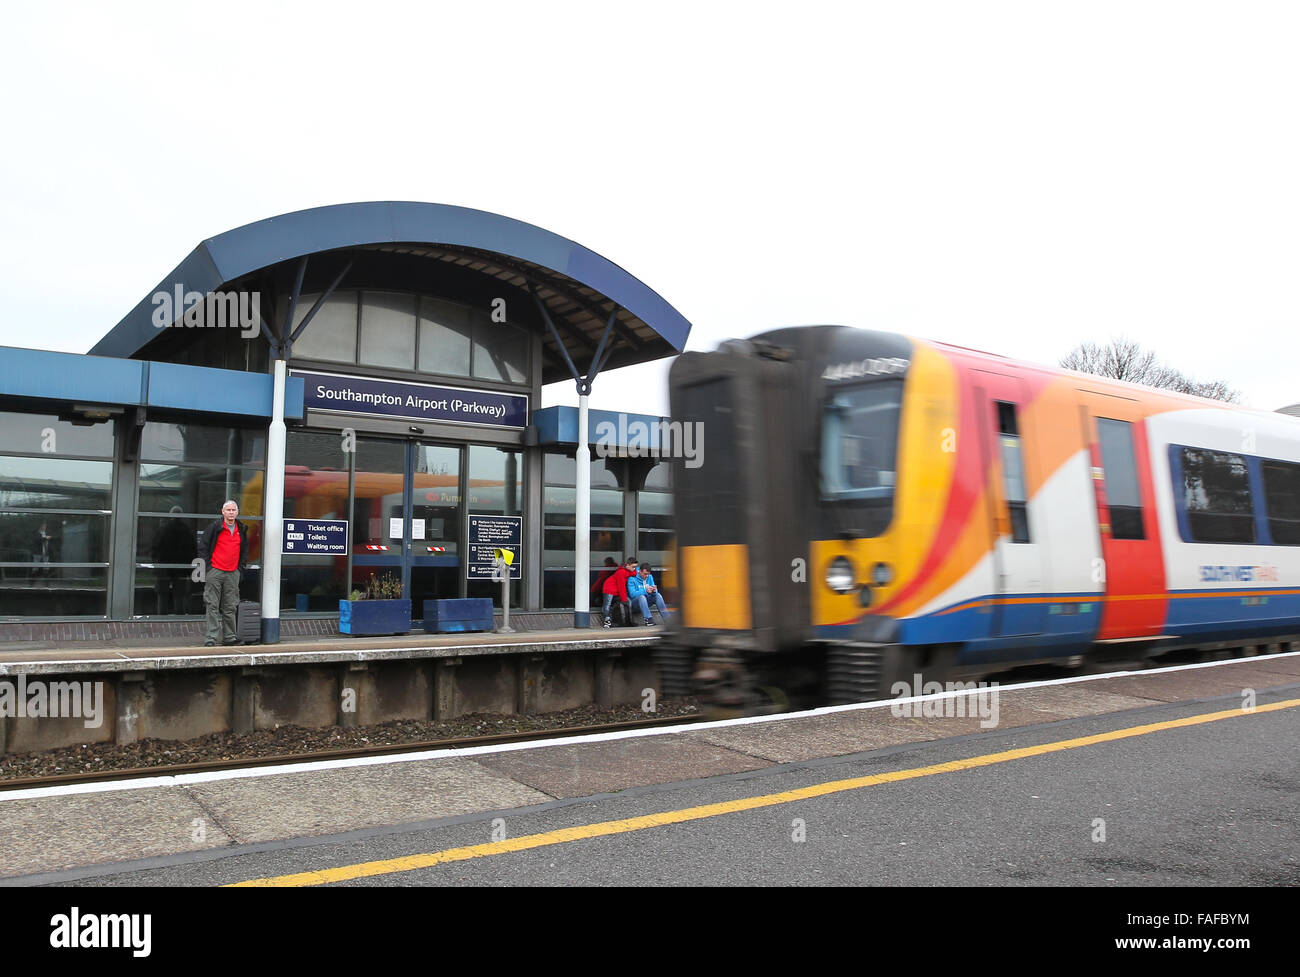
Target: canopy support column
{"points": [[582, 464]]}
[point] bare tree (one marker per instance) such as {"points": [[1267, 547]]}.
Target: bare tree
{"points": [[1123, 359]]}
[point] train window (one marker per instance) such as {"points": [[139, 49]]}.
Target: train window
{"points": [[860, 441], [1282, 497], [1119, 461], [1007, 419], [1013, 473], [1216, 492]]}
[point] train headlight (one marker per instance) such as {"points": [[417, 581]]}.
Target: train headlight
{"points": [[882, 574], [840, 576]]}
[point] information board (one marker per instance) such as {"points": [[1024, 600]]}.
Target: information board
{"points": [[487, 533]]}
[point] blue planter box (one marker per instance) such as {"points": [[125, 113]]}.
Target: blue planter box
{"points": [[362, 617], [461, 614]]}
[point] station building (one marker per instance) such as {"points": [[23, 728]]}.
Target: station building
{"points": [[418, 338]]}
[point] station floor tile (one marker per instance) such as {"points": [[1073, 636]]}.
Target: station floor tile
{"points": [[327, 801], [595, 768], [47, 834]]}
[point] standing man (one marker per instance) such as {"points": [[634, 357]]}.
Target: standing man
{"points": [[225, 550]]}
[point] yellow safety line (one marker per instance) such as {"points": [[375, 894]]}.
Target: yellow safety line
{"points": [[409, 863]]}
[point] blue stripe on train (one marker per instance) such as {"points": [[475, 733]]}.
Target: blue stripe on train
{"points": [[1070, 626], [1219, 617]]}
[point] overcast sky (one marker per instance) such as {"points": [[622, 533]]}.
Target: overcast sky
{"points": [[1016, 177]]}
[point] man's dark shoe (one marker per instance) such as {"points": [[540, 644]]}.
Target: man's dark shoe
{"points": [[231, 641], [209, 643]]}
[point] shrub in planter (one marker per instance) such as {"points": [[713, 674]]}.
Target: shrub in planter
{"points": [[378, 609]]}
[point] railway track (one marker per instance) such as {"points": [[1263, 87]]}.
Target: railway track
{"points": [[209, 766]]}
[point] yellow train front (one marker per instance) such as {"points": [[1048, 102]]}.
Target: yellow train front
{"points": [[864, 509], [790, 528]]}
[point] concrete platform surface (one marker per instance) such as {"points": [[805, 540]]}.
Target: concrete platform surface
{"points": [[138, 653], [62, 828]]}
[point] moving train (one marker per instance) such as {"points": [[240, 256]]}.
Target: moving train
{"points": [[872, 507]]}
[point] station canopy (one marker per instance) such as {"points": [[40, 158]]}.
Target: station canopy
{"points": [[406, 246]]}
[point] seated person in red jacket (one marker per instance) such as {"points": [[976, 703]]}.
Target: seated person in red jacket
{"points": [[616, 586]]}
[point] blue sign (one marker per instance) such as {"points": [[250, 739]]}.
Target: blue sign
{"points": [[488, 533], [316, 537], [412, 401]]}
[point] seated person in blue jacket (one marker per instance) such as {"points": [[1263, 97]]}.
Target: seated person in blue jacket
{"points": [[644, 593]]}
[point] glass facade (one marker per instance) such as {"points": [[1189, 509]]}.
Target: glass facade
{"points": [[187, 472], [407, 501], [495, 488], [559, 500], [402, 331], [655, 542], [56, 490]]}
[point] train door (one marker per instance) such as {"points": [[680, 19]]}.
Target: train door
{"points": [[1132, 566], [1018, 605]]}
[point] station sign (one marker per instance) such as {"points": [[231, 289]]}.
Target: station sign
{"points": [[316, 537], [489, 533], [412, 401]]}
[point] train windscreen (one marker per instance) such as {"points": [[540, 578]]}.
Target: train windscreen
{"points": [[860, 441]]}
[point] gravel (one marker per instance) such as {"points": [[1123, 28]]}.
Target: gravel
{"points": [[288, 740]]}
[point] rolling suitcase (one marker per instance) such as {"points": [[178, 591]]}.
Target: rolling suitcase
{"points": [[248, 623]]}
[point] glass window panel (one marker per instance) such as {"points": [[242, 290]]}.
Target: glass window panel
{"points": [[55, 483], [444, 337], [332, 332], [46, 433], [500, 351], [37, 537], [53, 591], [161, 539], [1012, 470], [315, 476], [175, 539], [175, 489], [313, 583], [436, 498], [487, 588], [1119, 462], [201, 444], [860, 441], [168, 591], [1216, 492], [1282, 492], [560, 504], [387, 330], [380, 482], [561, 470], [495, 481], [659, 477]]}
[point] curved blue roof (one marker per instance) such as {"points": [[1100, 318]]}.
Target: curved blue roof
{"points": [[246, 249]]}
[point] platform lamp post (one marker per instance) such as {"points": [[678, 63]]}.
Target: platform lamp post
{"points": [[273, 508], [582, 461]]}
